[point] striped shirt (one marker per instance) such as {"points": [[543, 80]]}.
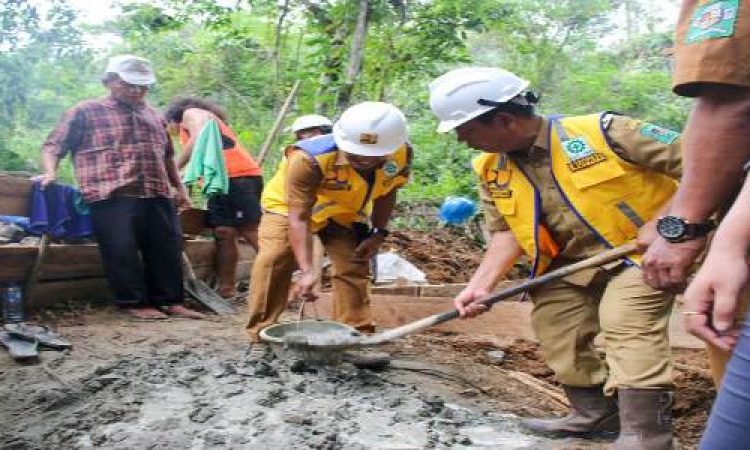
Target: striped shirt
{"points": [[117, 150]]}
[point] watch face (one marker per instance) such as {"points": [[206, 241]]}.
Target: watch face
{"points": [[670, 227]]}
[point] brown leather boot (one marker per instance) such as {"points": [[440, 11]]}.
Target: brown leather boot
{"points": [[591, 413], [646, 420]]}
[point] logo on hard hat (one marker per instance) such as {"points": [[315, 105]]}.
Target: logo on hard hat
{"points": [[368, 138]]}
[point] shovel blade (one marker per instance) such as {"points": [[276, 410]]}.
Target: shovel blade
{"points": [[208, 297]]}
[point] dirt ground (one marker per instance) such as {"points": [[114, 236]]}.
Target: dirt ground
{"points": [[187, 384], [695, 391], [445, 255]]}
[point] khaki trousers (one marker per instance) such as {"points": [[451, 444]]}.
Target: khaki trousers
{"points": [[272, 271], [632, 318]]}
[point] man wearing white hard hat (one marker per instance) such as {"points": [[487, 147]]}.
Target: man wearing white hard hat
{"points": [[561, 189], [307, 127], [124, 165], [310, 125], [342, 187]]}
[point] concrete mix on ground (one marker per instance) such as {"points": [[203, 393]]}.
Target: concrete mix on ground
{"points": [[181, 398]]}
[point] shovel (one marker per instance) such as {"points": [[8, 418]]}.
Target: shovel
{"points": [[202, 293], [337, 342]]}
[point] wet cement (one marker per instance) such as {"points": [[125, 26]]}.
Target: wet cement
{"points": [[178, 397]]}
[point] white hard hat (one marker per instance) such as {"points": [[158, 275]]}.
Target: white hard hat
{"points": [[370, 129], [132, 69], [454, 96], [310, 121]]}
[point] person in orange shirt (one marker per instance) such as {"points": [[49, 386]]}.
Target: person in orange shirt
{"points": [[236, 214]]}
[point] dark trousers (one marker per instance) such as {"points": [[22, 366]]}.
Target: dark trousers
{"points": [[140, 242]]}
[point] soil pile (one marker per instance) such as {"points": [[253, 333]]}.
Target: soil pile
{"points": [[446, 255]]}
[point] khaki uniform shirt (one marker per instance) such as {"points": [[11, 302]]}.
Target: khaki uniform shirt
{"points": [[711, 45], [575, 239]]}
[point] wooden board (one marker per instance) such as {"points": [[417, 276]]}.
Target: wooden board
{"points": [[74, 272], [14, 195]]}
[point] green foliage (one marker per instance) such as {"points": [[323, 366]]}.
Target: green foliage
{"points": [[246, 58]]}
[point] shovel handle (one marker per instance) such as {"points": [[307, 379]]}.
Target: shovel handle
{"points": [[427, 322], [594, 261]]}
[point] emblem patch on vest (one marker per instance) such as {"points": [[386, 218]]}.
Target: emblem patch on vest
{"points": [[390, 168], [658, 133], [713, 20], [580, 154], [577, 148], [587, 161], [501, 193]]}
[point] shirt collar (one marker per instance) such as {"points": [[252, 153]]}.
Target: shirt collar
{"points": [[541, 142], [111, 102]]}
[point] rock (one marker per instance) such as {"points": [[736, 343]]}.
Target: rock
{"points": [[299, 366], [224, 370], [108, 379], [297, 419], [495, 356], [214, 438], [436, 404], [201, 415], [272, 398], [234, 393], [263, 369]]}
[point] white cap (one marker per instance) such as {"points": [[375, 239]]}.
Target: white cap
{"points": [[370, 129], [310, 121], [454, 95], [132, 69]]}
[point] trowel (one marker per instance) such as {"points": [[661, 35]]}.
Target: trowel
{"points": [[337, 341]]}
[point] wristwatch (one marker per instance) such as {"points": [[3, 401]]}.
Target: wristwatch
{"points": [[381, 231], [676, 229]]}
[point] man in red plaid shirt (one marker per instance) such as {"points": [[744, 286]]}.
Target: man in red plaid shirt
{"points": [[124, 164]]}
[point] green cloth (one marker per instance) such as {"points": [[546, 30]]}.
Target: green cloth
{"points": [[207, 162]]}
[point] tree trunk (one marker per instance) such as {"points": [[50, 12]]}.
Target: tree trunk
{"points": [[278, 35], [331, 69], [356, 55]]}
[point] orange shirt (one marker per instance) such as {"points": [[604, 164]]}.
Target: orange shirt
{"points": [[238, 161]]}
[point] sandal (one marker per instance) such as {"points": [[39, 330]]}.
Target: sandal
{"points": [[43, 335], [20, 350]]}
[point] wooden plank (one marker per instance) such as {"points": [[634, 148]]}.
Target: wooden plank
{"points": [[50, 293], [75, 261], [14, 195]]}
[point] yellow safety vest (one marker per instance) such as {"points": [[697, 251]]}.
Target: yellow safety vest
{"points": [[611, 196], [343, 195]]}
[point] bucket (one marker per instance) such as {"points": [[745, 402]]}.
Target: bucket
{"points": [[274, 335]]}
